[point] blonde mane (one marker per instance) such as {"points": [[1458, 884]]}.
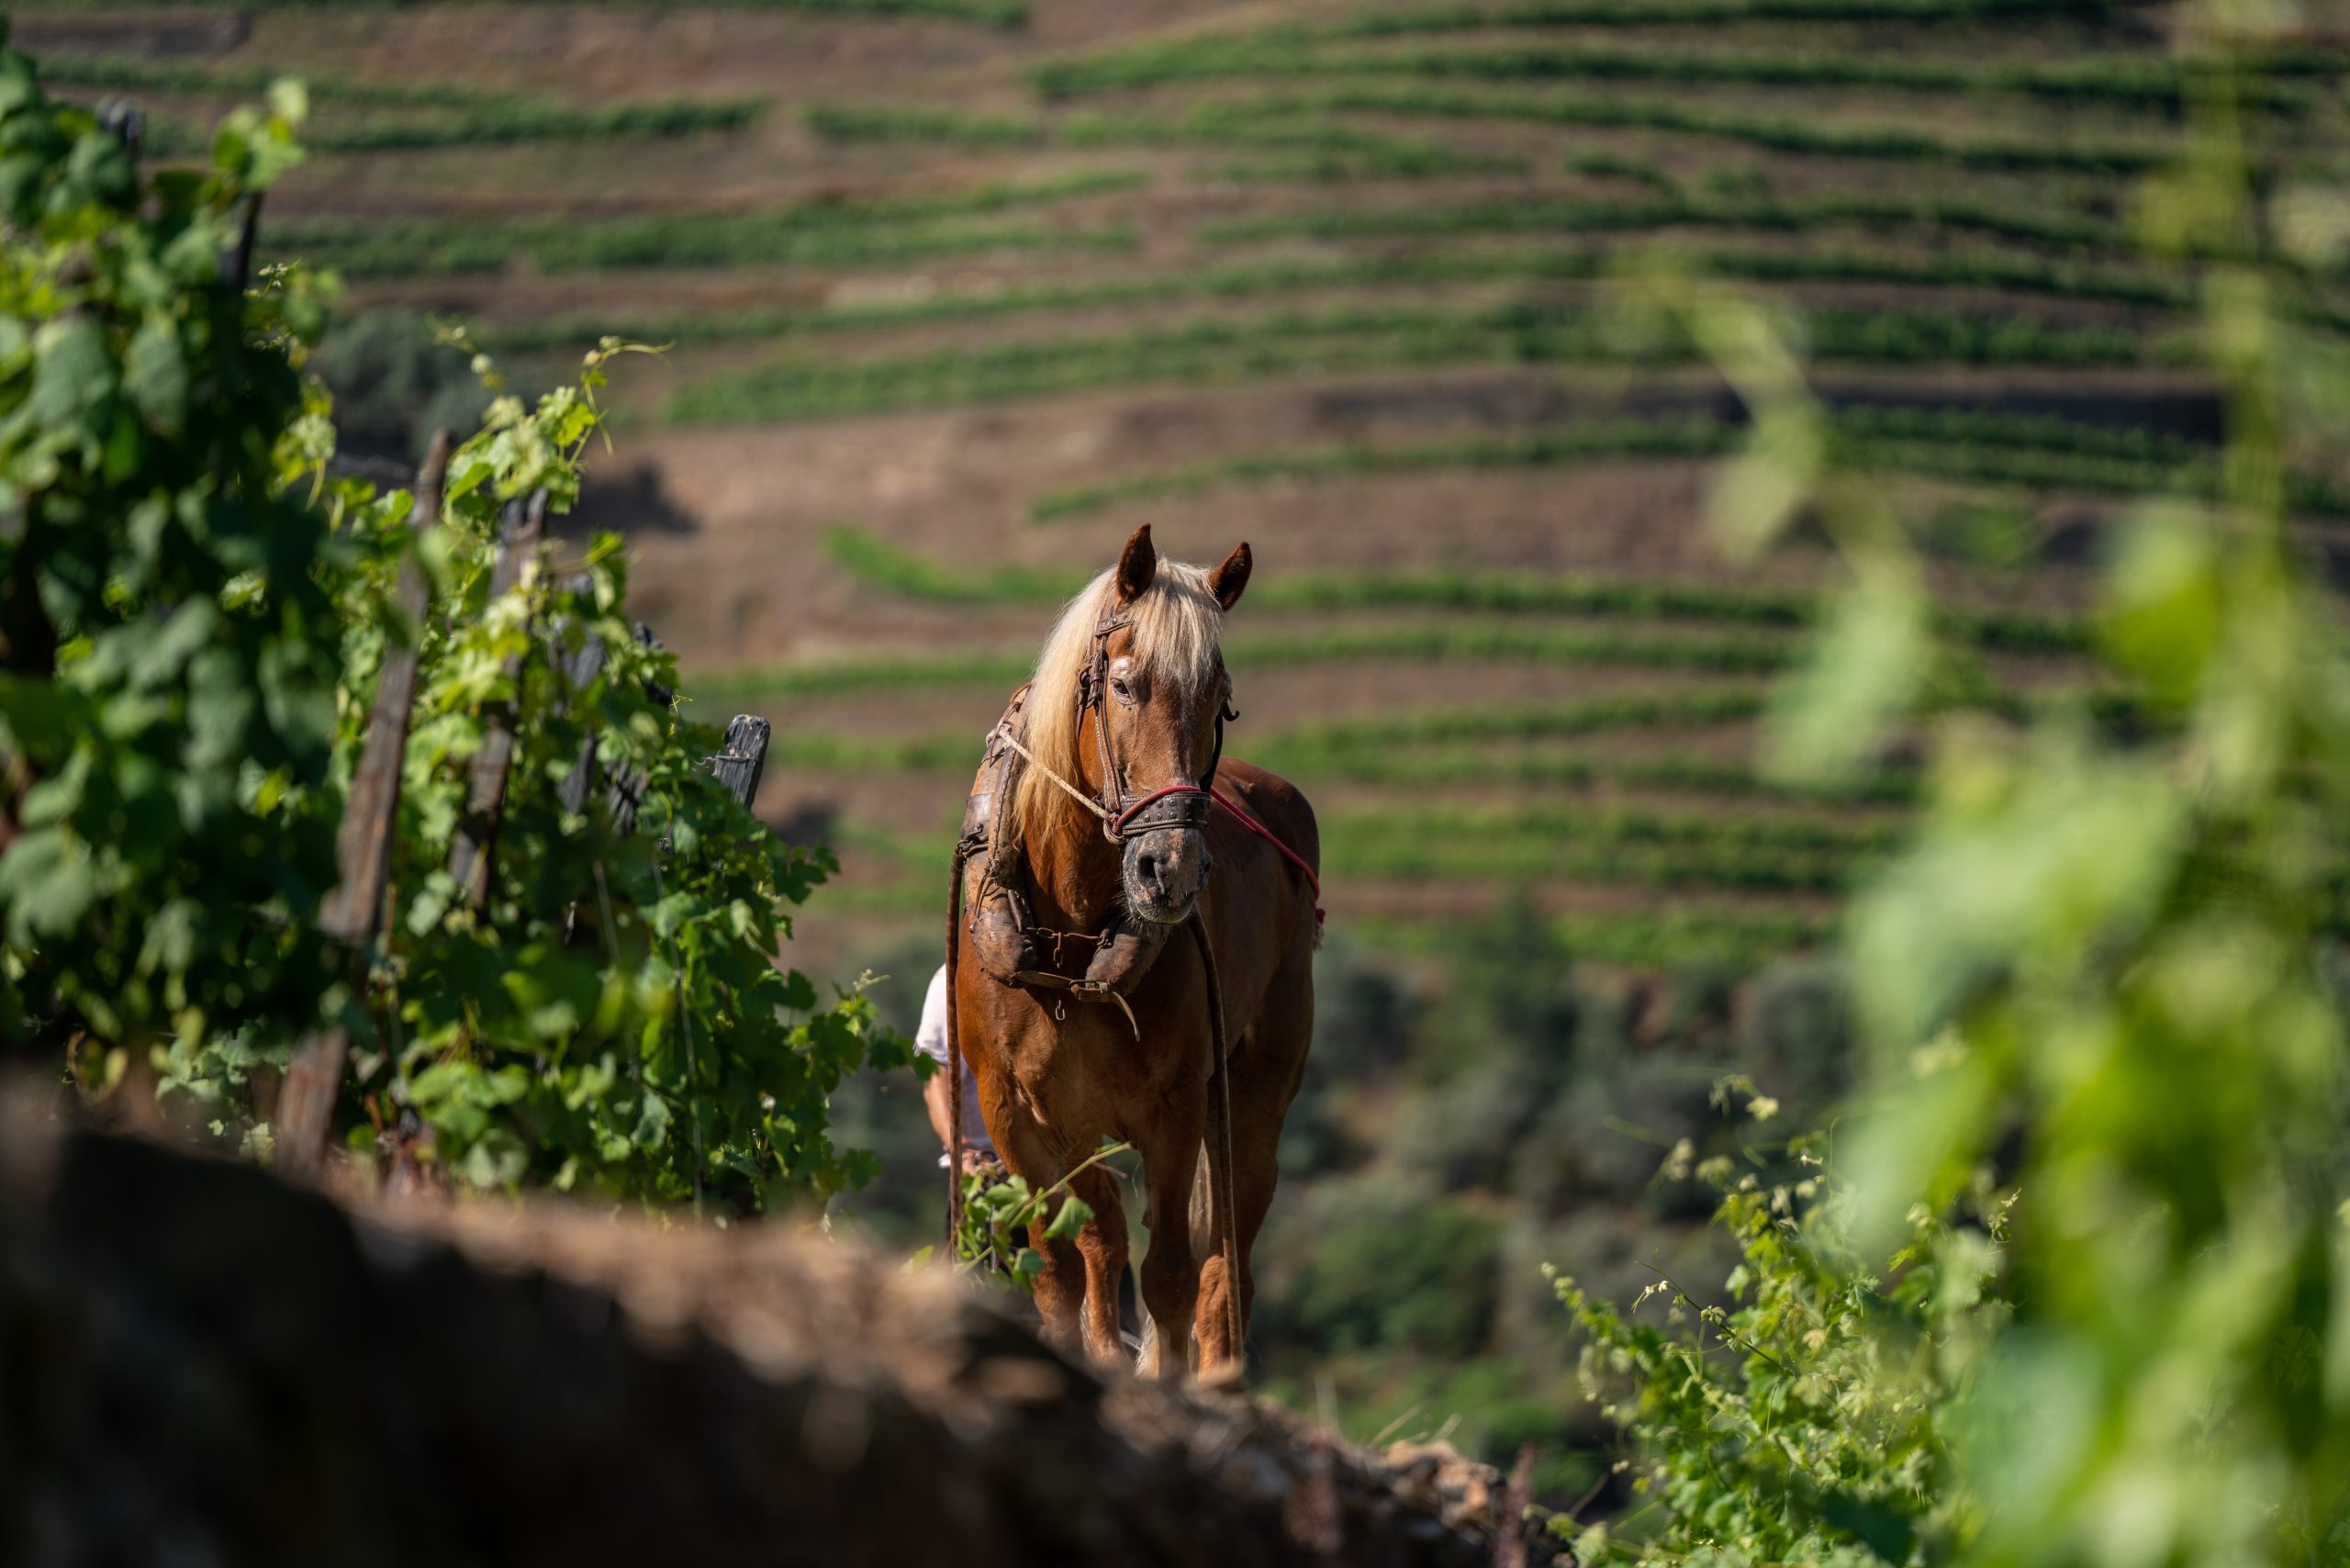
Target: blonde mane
{"points": [[1178, 634]]}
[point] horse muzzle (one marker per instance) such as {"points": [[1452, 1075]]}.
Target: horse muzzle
{"points": [[1165, 872]]}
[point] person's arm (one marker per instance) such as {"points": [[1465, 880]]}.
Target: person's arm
{"points": [[930, 1038], [934, 1099]]}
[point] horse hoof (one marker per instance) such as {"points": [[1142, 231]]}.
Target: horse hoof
{"points": [[1229, 1378]]}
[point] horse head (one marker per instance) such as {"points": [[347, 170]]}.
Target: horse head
{"points": [[1161, 718], [1125, 720]]}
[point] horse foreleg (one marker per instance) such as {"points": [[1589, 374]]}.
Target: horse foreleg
{"points": [[1102, 1243], [1213, 1325], [1254, 1166], [1029, 1151], [1171, 1270], [1268, 1066]]}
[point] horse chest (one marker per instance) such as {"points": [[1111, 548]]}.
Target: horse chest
{"points": [[1082, 1073]]}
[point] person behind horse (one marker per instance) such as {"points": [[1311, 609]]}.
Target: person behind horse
{"points": [[930, 1039]]}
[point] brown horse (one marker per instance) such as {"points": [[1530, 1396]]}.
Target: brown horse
{"points": [[1126, 708]]}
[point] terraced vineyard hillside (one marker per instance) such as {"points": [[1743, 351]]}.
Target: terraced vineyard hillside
{"points": [[959, 292]]}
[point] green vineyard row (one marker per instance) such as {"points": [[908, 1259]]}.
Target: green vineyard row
{"points": [[1953, 269], [1743, 654], [1369, 754], [877, 229], [1668, 933], [1252, 122], [1265, 124], [987, 13], [1893, 141], [1634, 845], [2031, 452], [877, 563], [1706, 13], [2142, 80], [453, 115], [1354, 338], [827, 750], [1737, 936], [2032, 224]]}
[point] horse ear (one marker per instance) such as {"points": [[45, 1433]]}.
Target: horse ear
{"points": [[1226, 581], [1136, 566]]}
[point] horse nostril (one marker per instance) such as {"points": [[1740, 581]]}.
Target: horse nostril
{"points": [[1147, 867]]}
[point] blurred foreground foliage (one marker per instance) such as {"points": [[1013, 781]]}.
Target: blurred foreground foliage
{"points": [[2076, 1287], [193, 615], [1806, 1420]]}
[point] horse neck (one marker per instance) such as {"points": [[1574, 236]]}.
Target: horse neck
{"points": [[1076, 869]]}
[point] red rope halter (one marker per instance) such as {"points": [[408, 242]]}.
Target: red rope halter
{"points": [[1241, 815], [1118, 823]]}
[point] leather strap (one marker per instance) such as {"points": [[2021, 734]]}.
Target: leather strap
{"points": [[1120, 820]]}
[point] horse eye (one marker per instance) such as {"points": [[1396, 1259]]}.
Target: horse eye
{"points": [[1123, 689]]}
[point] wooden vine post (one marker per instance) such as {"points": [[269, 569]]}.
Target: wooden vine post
{"points": [[523, 527], [746, 757], [353, 914]]}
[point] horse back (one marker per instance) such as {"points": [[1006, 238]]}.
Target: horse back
{"points": [[1275, 802]]}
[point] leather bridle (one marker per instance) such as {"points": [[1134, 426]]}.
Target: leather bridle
{"points": [[1171, 806]]}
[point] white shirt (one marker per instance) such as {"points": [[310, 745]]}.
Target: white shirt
{"points": [[930, 1039]]}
